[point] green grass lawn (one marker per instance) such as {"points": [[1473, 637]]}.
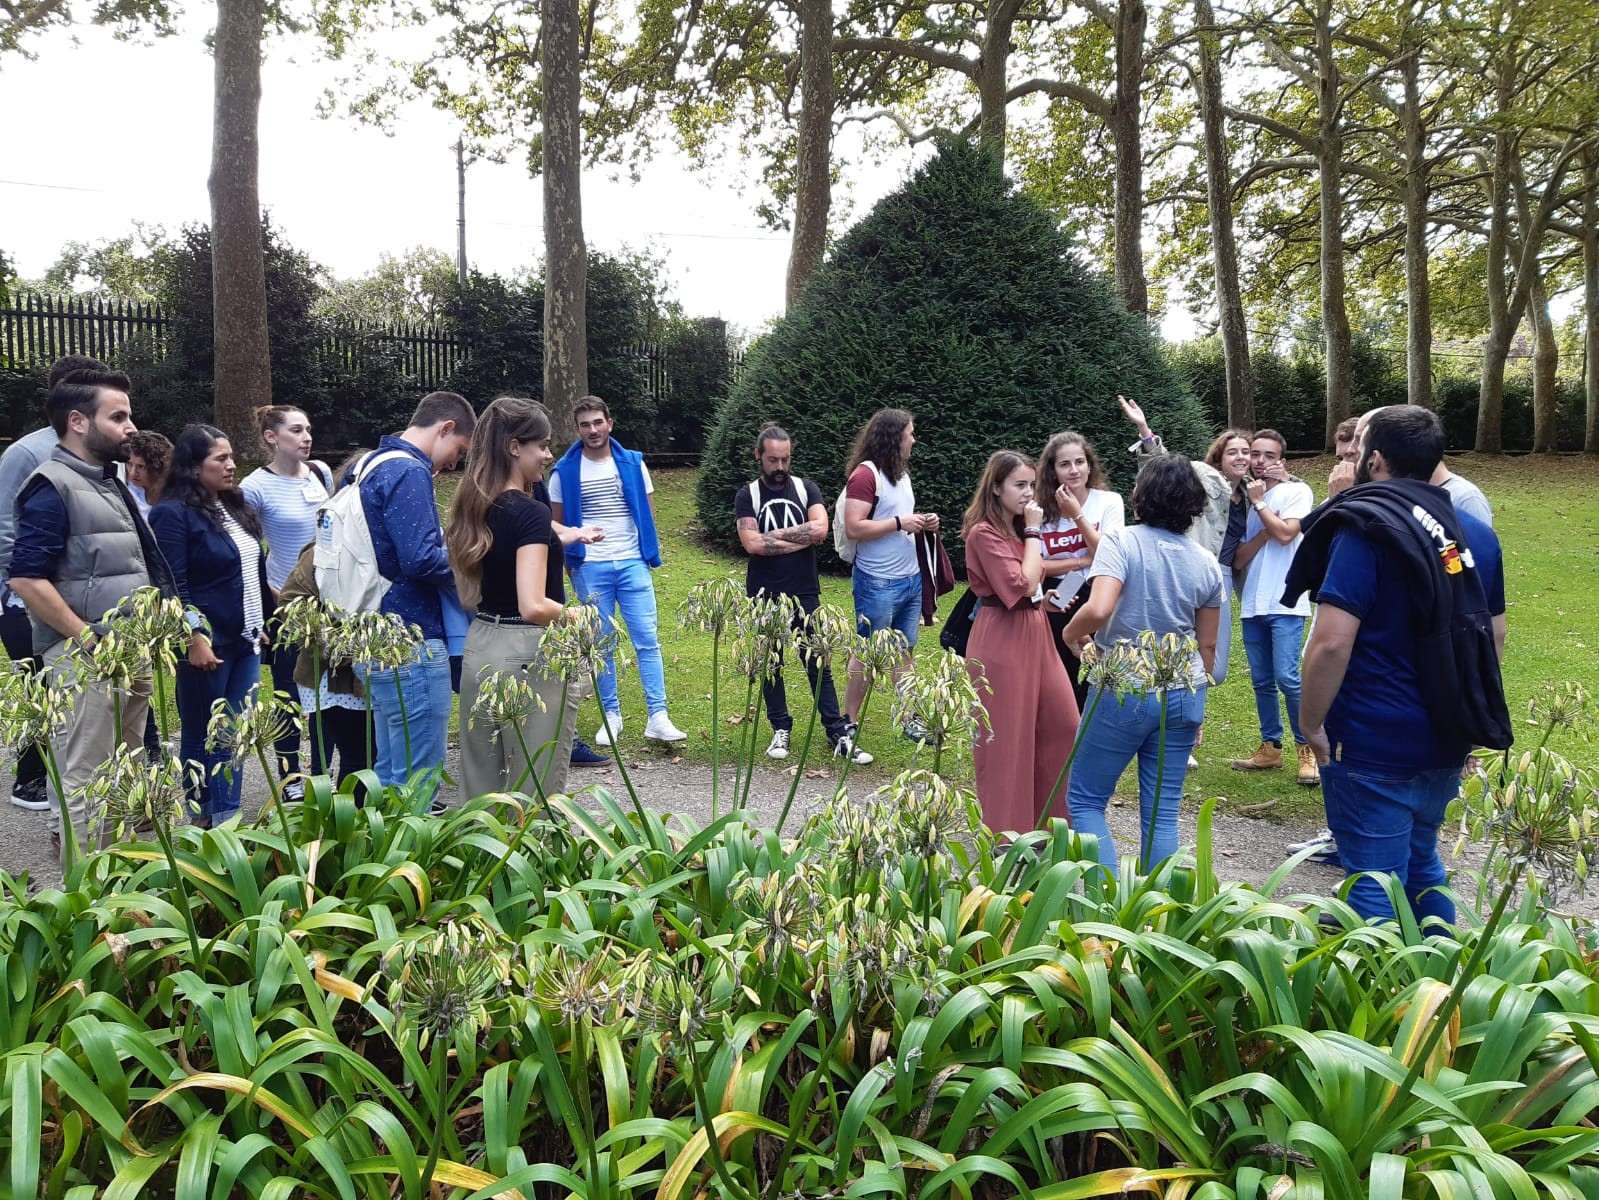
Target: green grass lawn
{"points": [[1547, 515]]}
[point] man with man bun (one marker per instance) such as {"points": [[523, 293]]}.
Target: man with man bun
{"points": [[781, 520]]}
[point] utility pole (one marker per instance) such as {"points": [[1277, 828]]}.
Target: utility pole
{"points": [[460, 219]]}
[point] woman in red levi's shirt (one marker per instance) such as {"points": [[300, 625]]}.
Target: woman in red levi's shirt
{"points": [[1079, 509], [1032, 714]]}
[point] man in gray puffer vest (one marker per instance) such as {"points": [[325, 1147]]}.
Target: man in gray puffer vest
{"points": [[81, 549]]}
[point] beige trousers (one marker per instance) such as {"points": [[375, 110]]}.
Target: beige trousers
{"points": [[492, 759], [88, 739]]}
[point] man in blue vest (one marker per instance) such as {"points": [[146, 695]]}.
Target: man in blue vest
{"points": [[600, 482]]}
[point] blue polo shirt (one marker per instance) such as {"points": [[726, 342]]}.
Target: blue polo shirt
{"points": [[403, 515], [1378, 720]]}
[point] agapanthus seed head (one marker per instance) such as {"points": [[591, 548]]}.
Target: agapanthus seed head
{"points": [[576, 989], [578, 646], [445, 980], [716, 606], [35, 705], [1561, 705], [130, 794], [945, 697], [260, 722], [829, 635], [881, 653], [504, 699], [1167, 662]]}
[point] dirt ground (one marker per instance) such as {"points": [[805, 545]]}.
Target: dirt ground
{"points": [[1247, 849]]}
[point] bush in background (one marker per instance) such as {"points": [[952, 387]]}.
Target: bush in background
{"points": [[961, 300]]}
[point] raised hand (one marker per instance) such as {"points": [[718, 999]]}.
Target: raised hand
{"points": [[1134, 413]]}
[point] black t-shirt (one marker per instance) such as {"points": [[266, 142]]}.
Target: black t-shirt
{"points": [[515, 521], [781, 574]]}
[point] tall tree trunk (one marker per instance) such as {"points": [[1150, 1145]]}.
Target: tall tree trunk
{"points": [[1224, 245], [1590, 293], [1501, 325], [1132, 18], [242, 375], [566, 358], [1545, 365], [1418, 285], [993, 59], [1330, 149], [813, 185]]}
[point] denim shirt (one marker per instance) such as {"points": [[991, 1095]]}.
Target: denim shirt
{"points": [[403, 516]]}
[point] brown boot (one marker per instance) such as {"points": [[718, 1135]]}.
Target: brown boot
{"points": [[1266, 758], [1309, 773]]}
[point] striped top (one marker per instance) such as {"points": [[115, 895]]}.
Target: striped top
{"points": [[605, 505], [287, 508], [249, 560]]}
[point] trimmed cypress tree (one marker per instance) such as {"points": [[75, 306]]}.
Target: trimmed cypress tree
{"points": [[960, 300]]}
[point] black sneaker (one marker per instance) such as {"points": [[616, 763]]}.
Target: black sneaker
{"points": [[32, 796], [584, 755]]}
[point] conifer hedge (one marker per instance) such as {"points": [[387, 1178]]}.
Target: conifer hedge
{"points": [[961, 300]]}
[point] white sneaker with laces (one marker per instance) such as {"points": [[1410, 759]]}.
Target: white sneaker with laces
{"points": [[659, 728], [610, 725], [779, 747], [845, 747], [1324, 845]]}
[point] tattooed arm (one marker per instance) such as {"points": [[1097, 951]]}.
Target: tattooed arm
{"points": [[779, 541]]}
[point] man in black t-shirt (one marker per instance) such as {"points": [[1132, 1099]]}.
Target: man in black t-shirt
{"points": [[781, 520]]}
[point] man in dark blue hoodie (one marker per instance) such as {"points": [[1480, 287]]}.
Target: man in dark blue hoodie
{"points": [[1401, 674], [402, 514], [598, 481]]}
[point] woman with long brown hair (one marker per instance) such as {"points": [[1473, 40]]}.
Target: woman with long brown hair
{"points": [[1079, 509], [1032, 714], [508, 565]]}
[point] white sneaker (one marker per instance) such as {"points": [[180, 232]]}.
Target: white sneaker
{"points": [[845, 747], [610, 724], [779, 747], [1193, 763], [659, 728], [1324, 845]]}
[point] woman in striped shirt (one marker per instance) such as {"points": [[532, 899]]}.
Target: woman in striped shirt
{"points": [[286, 494]]}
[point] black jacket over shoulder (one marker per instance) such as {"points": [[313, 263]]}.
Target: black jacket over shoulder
{"points": [[1415, 525]]}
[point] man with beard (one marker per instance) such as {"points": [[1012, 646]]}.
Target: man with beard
{"points": [[1401, 674], [29, 790], [781, 520], [82, 549]]}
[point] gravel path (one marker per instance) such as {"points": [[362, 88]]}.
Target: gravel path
{"points": [[1248, 849]]}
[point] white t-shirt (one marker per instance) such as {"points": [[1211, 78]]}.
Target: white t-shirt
{"points": [[1102, 510], [1268, 571], [605, 505], [892, 556]]}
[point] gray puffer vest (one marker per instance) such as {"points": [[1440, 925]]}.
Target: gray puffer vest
{"points": [[105, 560]]}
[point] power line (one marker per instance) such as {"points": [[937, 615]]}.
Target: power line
{"points": [[54, 187]]}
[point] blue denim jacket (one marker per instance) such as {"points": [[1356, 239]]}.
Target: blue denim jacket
{"points": [[403, 515]]}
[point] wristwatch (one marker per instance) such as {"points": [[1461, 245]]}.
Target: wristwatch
{"points": [[1260, 506]]}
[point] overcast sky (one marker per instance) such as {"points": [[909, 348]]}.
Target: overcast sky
{"points": [[104, 133]]}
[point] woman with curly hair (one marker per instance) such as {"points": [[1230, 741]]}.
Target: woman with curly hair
{"points": [[508, 562], [212, 540], [1079, 509], [1148, 576], [1032, 714], [880, 517]]}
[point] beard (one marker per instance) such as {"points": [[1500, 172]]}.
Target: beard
{"points": [[1363, 468], [775, 480], [107, 449]]}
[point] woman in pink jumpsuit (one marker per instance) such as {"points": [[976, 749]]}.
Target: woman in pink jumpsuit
{"points": [[1032, 714]]}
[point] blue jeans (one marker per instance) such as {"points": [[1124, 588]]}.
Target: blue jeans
{"points": [[1389, 824], [425, 684], [887, 603], [210, 790], [1119, 731], [1273, 646], [626, 584]]}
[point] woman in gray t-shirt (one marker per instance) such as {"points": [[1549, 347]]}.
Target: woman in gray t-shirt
{"points": [[1146, 577]]}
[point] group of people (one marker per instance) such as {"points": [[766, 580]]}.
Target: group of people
{"points": [[92, 510], [1400, 676], [1053, 562]]}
